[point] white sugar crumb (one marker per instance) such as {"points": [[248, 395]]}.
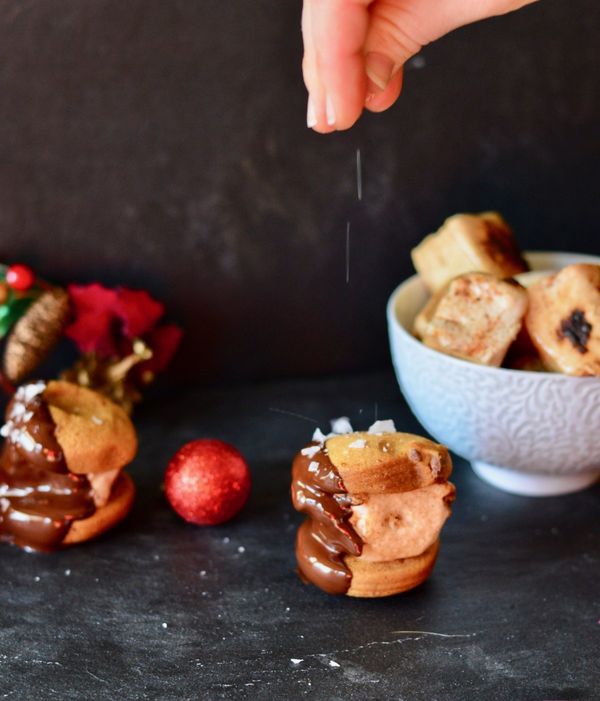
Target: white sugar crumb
{"points": [[296, 660], [319, 436], [203, 573], [311, 450], [241, 549], [360, 443], [379, 427], [165, 625], [36, 579], [67, 573], [333, 663], [341, 425]]}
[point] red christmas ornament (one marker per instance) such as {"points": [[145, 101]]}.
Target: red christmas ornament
{"points": [[207, 482], [20, 277]]}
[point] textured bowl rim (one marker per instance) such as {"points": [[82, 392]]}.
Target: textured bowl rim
{"points": [[395, 323]]}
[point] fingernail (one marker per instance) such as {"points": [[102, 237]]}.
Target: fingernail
{"points": [[311, 115], [329, 111], [380, 69]]}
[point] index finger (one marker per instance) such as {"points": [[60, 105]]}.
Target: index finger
{"points": [[334, 41]]}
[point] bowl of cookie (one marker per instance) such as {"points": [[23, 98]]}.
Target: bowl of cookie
{"points": [[497, 353]]}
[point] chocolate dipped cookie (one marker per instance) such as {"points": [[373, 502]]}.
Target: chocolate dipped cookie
{"points": [[61, 479], [375, 502]]}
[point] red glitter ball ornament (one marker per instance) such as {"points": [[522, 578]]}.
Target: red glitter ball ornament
{"points": [[207, 482], [20, 277]]}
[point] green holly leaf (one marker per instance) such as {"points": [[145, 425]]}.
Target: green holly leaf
{"points": [[12, 311]]}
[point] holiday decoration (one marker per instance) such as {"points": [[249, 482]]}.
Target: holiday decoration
{"points": [[122, 346], [35, 334], [20, 277], [207, 482]]}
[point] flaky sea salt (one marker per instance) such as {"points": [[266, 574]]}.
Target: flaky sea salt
{"points": [[359, 443], [319, 436], [379, 427], [311, 450], [341, 425]]}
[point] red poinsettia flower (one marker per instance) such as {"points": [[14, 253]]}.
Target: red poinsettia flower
{"points": [[106, 322]]}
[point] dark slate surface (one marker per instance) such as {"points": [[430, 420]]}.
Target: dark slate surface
{"points": [[162, 610], [163, 144]]}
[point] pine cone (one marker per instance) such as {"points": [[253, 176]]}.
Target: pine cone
{"points": [[35, 334]]}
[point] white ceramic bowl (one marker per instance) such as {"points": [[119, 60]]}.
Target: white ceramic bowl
{"points": [[530, 433]]}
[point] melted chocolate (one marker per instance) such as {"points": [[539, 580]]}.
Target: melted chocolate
{"points": [[326, 537], [39, 497], [577, 329]]}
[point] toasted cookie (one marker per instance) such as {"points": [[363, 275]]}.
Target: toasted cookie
{"points": [[468, 243], [563, 320], [476, 317]]}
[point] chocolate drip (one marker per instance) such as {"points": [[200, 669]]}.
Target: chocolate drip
{"points": [[326, 537], [39, 497]]}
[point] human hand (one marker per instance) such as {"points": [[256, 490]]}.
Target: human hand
{"points": [[354, 50]]}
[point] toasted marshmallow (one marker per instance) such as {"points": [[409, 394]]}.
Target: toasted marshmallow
{"points": [[476, 317], [468, 243], [563, 319], [403, 524]]}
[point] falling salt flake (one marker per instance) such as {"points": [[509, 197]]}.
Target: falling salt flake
{"points": [[358, 175], [360, 443], [67, 573], [341, 425], [203, 573], [382, 427], [156, 557], [311, 450], [36, 579], [333, 663], [226, 540], [296, 660], [165, 625], [319, 436], [241, 549], [287, 608], [347, 252]]}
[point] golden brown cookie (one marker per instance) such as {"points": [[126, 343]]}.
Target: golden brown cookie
{"points": [[563, 320], [115, 510], [468, 243], [476, 317], [95, 434], [389, 462], [375, 579]]}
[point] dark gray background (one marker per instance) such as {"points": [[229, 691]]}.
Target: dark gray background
{"points": [[162, 144]]}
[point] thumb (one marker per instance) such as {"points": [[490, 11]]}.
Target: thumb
{"points": [[398, 30]]}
